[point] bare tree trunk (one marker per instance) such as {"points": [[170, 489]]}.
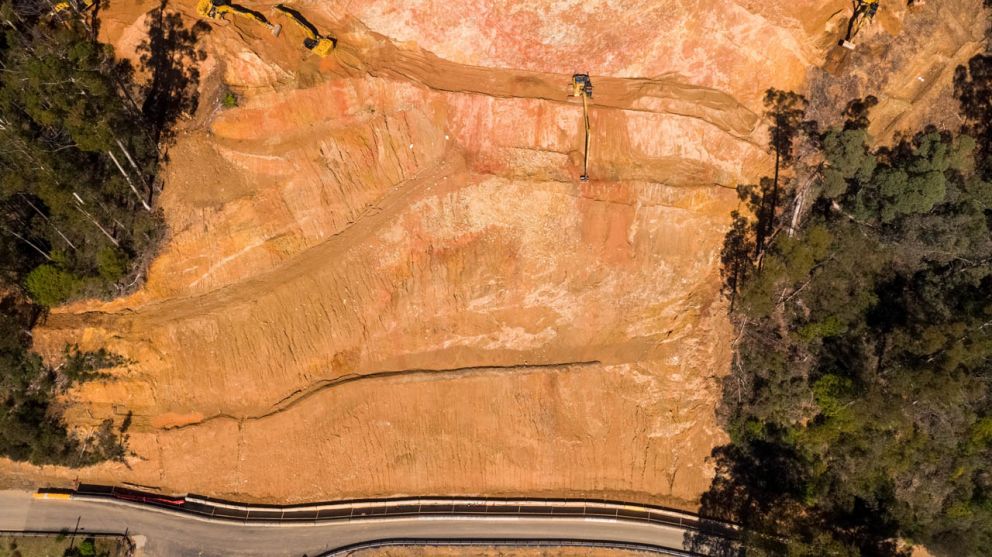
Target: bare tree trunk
{"points": [[93, 220], [129, 182], [28, 242], [797, 207], [133, 164], [42, 215]]}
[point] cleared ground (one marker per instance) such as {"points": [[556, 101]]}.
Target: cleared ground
{"points": [[383, 276]]}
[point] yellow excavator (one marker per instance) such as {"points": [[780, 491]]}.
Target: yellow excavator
{"points": [[315, 42], [864, 13], [216, 9], [78, 5], [582, 87]]}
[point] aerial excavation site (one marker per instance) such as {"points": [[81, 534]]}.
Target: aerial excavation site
{"points": [[496, 277]]}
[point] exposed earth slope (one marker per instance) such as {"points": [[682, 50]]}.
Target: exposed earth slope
{"points": [[383, 276]]}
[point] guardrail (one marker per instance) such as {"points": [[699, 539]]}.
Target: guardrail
{"points": [[514, 543], [229, 511]]}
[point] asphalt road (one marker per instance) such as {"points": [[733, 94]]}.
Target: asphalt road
{"points": [[168, 534]]}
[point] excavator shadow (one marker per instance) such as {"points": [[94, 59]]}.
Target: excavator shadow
{"points": [[321, 45], [302, 21], [582, 87], [217, 9]]}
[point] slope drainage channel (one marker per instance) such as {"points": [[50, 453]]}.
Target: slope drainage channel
{"points": [[438, 374]]}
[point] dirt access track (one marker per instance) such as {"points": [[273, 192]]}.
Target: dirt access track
{"points": [[383, 276]]}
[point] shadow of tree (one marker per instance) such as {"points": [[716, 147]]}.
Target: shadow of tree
{"points": [[170, 57], [973, 88], [760, 487], [747, 486]]}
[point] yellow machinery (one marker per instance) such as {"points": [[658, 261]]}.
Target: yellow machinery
{"points": [[864, 13], [216, 9], [314, 41], [78, 5], [582, 87]]}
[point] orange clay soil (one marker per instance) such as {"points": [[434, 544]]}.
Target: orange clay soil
{"points": [[383, 276]]}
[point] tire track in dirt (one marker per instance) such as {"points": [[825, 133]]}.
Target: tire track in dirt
{"points": [[362, 51], [333, 247]]}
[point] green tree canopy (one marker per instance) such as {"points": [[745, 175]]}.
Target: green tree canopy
{"points": [[860, 405], [79, 153]]}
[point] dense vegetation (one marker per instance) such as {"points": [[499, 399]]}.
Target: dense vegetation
{"points": [[859, 403], [71, 222], [30, 427], [80, 145], [65, 544]]}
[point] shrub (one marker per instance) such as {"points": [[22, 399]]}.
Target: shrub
{"points": [[111, 264], [50, 286]]}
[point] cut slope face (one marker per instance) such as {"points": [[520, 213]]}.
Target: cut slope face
{"points": [[384, 277]]}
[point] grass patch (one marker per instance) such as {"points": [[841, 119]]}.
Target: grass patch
{"points": [[59, 545]]}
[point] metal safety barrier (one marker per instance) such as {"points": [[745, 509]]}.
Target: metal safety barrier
{"points": [[501, 542], [223, 510]]}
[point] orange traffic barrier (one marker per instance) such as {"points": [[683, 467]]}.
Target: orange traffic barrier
{"points": [[50, 495]]}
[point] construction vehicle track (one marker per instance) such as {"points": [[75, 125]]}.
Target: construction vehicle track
{"points": [[361, 53], [349, 288], [376, 55], [669, 94]]}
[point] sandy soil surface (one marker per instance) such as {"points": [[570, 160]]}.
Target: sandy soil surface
{"points": [[383, 276]]}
